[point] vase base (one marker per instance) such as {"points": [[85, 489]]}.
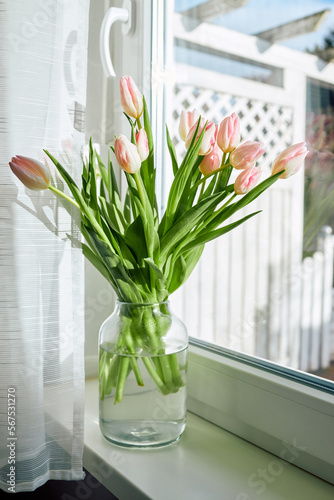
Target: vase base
{"points": [[139, 434]]}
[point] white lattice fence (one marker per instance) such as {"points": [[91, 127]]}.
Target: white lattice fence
{"points": [[261, 121], [241, 295]]}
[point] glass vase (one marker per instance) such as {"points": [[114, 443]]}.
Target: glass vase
{"points": [[142, 375]]}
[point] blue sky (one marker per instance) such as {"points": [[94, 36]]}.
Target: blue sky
{"points": [[260, 15]]}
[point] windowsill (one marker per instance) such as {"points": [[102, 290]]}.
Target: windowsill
{"points": [[208, 463]]}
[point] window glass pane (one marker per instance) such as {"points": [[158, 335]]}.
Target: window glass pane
{"points": [[265, 288]]}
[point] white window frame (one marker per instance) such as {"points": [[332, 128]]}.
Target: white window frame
{"points": [[283, 411], [286, 412]]}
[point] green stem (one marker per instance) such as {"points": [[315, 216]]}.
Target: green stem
{"points": [[138, 123], [157, 365], [212, 216], [222, 165], [110, 373], [101, 374], [63, 195], [198, 183], [174, 366], [151, 370], [225, 155], [127, 340], [122, 374], [114, 367], [167, 372], [136, 371], [178, 250]]}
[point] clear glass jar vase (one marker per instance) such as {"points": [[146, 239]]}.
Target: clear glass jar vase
{"points": [[142, 375]]}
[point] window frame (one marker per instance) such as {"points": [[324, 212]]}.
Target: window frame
{"points": [[272, 407]]}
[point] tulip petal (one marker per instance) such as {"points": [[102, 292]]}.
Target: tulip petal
{"points": [[131, 98], [142, 144], [211, 161], [127, 155], [246, 180], [32, 173], [246, 154], [229, 133], [290, 160]]}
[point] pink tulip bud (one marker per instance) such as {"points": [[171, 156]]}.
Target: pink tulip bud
{"points": [[290, 160], [127, 155], [131, 98], [187, 120], [246, 154], [229, 133], [142, 144], [247, 179], [211, 162], [209, 138], [32, 173]]}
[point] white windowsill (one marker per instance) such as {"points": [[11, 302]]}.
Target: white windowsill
{"points": [[208, 463]]}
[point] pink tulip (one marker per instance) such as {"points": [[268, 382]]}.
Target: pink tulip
{"points": [[246, 154], [229, 133], [187, 120], [247, 179], [127, 155], [209, 138], [211, 162], [142, 144], [32, 173], [131, 98], [290, 160]]}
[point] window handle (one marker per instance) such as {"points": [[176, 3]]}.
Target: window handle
{"points": [[114, 14]]}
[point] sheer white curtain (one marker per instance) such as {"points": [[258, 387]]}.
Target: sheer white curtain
{"points": [[43, 59]]}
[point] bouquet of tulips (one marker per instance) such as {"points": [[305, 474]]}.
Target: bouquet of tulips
{"points": [[143, 257]]}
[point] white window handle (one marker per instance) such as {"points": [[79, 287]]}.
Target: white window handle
{"points": [[114, 14]]}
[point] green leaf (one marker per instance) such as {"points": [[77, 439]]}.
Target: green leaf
{"points": [[103, 193], [250, 196], [98, 264], [172, 152], [186, 263], [135, 239], [192, 194], [187, 196], [127, 207], [223, 178], [91, 188], [132, 122], [146, 213], [127, 289], [147, 170], [192, 145], [68, 179], [186, 223], [113, 216], [207, 236], [148, 130], [112, 183], [178, 274], [104, 174], [182, 178], [159, 283], [208, 191]]}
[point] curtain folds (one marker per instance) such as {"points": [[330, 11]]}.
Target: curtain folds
{"points": [[43, 64]]}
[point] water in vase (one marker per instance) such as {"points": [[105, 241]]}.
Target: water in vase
{"points": [[145, 416]]}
